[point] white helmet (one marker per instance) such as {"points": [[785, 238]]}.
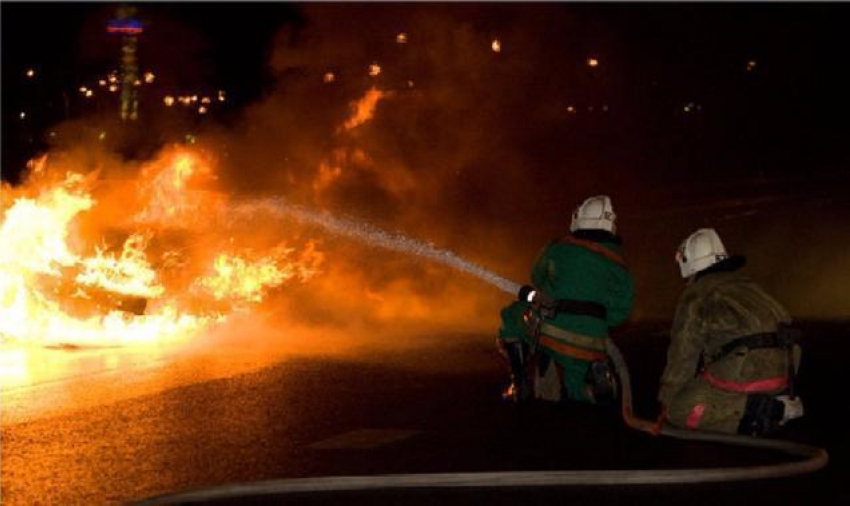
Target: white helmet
{"points": [[699, 251], [594, 213]]}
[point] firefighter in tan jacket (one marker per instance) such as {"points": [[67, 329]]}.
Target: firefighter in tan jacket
{"points": [[732, 357]]}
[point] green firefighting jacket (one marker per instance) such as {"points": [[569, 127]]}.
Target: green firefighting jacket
{"points": [[567, 269], [715, 309]]}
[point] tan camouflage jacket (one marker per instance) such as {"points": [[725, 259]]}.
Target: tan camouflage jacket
{"points": [[715, 309]]}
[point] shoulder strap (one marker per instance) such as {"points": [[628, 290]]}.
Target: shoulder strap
{"points": [[596, 248], [781, 339]]}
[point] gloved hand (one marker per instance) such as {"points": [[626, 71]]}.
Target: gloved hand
{"points": [[659, 422], [793, 408], [526, 293]]}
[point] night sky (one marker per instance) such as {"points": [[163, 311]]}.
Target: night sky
{"points": [[696, 115]]}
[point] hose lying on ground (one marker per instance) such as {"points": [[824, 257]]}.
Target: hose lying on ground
{"points": [[811, 459]]}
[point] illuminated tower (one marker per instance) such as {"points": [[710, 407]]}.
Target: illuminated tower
{"points": [[129, 28]]}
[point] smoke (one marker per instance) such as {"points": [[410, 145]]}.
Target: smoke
{"points": [[485, 153], [430, 138]]}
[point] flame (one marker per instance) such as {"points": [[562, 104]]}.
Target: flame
{"points": [[164, 187], [127, 274], [65, 279], [364, 109], [242, 279]]}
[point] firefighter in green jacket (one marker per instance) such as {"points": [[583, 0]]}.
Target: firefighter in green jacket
{"points": [[554, 334], [732, 357]]}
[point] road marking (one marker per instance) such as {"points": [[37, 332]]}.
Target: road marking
{"points": [[363, 439]]}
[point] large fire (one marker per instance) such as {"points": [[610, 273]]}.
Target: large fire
{"points": [[89, 261]]}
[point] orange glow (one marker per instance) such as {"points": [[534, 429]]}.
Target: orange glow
{"points": [[592, 62], [168, 100], [364, 109], [496, 46], [327, 175], [374, 69]]}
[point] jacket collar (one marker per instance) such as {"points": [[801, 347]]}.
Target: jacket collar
{"points": [[730, 264], [597, 235]]}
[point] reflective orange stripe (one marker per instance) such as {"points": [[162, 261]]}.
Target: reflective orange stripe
{"points": [[596, 248], [762, 385], [695, 416], [571, 351]]}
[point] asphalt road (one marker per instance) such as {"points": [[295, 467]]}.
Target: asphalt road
{"points": [[427, 404]]}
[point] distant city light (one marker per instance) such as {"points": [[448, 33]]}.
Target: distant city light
{"points": [[113, 79], [102, 135], [168, 100], [605, 107], [592, 62], [102, 82], [205, 100], [30, 73], [410, 83], [751, 65], [149, 77], [571, 109], [113, 88], [401, 38], [23, 115], [329, 77], [137, 82], [496, 46], [194, 98], [89, 93], [202, 110], [374, 69], [221, 96], [191, 138], [52, 134], [590, 108], [83, 89]]}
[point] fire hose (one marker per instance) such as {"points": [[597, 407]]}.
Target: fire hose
{"points": [[811, 459]]}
